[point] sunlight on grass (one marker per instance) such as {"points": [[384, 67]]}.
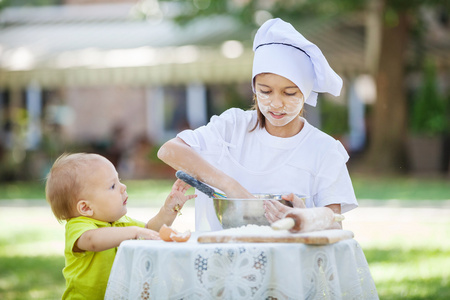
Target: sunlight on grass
{"points": [[433, 240], [415, 266], [418, 273], [23, 277], [35, 232], [385, 188], [31, 254], [45, 248], [405, 264]]}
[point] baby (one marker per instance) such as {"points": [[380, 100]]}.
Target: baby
{"points": [[85, 190]]}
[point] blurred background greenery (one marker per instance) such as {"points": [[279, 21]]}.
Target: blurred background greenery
{"points": [[68, 83], [366, 187]]}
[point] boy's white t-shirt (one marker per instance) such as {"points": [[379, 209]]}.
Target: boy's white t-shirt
{"points": [[311, 163]]}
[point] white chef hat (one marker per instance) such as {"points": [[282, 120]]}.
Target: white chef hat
{"points": [[282, 50]]}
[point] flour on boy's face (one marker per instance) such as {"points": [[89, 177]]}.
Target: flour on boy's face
{"points": [[103, 191]]}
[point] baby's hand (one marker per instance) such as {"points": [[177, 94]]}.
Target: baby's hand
{"points": [[177, 198], [146, 234]]}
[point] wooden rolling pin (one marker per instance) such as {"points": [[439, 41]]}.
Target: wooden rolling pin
{"points": [[307, 219]]}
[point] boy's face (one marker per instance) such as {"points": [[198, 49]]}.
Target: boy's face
{"points": [[107, 196]]}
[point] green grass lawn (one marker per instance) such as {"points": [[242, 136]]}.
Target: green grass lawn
{"points": [[31, 260], [31, 255], [31, 277], [418, 272], [401, 188], [366, 187], [138, 190]]}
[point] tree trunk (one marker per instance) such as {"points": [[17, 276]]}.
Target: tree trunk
{"points": [[374, 26], [387, 143]]}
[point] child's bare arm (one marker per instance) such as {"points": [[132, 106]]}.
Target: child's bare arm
{"points": [[276, 211], [180, 156], [336, 208], [168, 213], [110, 237]]}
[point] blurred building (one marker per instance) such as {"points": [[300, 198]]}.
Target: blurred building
{"points": [[119, 74]]}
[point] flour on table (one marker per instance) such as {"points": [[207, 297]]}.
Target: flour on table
{"points": [[251, 230]]}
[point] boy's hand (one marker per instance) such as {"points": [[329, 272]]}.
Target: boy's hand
{"points": [[172, 206], [177, 198], [146, 234]]}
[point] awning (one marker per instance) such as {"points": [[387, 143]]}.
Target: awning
{"points": [[96, 45]]}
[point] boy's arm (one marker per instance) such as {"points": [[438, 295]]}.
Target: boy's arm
{"points": [[167, 213], [110, 237], [164, 216]]}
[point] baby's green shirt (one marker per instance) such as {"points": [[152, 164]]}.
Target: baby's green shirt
{"points": [[87, 273]]}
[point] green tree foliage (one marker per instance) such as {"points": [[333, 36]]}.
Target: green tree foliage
{"points": [[26, 3], [244, 11], [428, 109]]}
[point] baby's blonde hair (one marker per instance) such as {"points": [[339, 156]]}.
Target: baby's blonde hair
{"points": [[65, 183]]}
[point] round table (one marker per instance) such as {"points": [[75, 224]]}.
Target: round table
{"points": [[191, 270]]}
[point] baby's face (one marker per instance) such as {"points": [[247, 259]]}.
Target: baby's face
{"points": [[104, 191]]}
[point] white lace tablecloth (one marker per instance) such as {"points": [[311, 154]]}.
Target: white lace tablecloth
{"points": [[161, 270]]}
